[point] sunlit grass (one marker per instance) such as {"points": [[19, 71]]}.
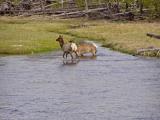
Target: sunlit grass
{"points": [[124, 37], [27, 38], [31, 35]]}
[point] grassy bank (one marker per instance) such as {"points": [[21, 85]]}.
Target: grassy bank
{"points": [[22, 36]]}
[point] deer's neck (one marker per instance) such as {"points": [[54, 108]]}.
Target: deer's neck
{"points": [[61, 43]]}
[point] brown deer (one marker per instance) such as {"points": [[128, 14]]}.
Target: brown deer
{"points": [[68, 48], [86, 47]]}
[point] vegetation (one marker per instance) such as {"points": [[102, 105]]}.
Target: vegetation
{"points": [[153, 5], [25, 36]]}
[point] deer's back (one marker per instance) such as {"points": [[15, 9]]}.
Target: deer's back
{"points": [[66, 47], [86, 48]]}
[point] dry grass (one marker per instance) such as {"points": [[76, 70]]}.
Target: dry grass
{"points": [[125, 37], [36, 36]]}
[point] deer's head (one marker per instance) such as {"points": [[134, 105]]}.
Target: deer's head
{"points": [[60, 40]]}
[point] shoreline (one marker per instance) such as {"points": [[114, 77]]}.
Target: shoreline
{"points": [[36, 36]]}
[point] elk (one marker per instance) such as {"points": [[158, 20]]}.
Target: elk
{"points": [[68, 48], [86, 47]]}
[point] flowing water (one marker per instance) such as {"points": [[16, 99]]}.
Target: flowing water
{"points": [[112, 86]]}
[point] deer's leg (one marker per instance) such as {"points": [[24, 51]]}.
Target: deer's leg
{"points": [[76, 54], [64, 54], [67, 54], [71, 55], [93, 52]]}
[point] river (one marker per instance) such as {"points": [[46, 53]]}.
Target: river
{"points": [[112, 86]]}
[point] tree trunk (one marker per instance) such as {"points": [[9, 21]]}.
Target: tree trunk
{"points": [[62, 4], [86, 8], [141, 6], [99, 2]]}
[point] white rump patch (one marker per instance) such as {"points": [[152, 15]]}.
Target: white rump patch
{"points": [[90, 42], [74, 46], [95, 45]]}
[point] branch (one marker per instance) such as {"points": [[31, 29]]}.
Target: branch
{"points": [[153, 35]]}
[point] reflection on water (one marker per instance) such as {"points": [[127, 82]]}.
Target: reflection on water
{"points": [[111, 86], [88, 58]]}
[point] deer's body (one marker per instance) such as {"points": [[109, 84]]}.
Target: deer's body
{"points": [[68, 48], [83, 48], [87, 48]]}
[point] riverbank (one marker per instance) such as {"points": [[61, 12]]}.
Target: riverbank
{"points": [[32, 35]]}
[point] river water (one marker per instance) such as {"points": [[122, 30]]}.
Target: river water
{"points": [[112, 86]]}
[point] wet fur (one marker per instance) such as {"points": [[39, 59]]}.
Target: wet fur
{"points": [[87, 48], [67, 48]]}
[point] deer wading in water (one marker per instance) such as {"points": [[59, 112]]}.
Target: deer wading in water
{"points": [[87, 47], [68, 48], [80, 50]]}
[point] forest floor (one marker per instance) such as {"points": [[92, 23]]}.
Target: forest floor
{"points": [[38, 34]]}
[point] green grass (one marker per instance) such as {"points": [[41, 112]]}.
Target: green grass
{"points": [[21, 37], [32, 35]]}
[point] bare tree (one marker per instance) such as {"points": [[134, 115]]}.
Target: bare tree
{"points": [[62, 4], [86, 7]]}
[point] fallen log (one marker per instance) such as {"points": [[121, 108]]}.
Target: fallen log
{"points": [[127, 15], [79, 13], [153, 35], [148, 51], [50, 5]]}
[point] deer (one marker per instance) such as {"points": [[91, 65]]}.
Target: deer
{"points": [[68, 48], [87, 47]]}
